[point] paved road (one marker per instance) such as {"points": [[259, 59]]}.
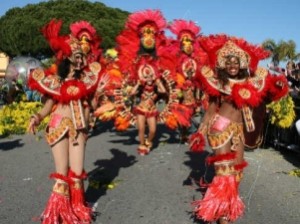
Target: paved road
{"points": [[155, 189]]}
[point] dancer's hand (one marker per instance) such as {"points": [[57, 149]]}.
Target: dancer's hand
{"points": [[103, 82], [34, 122], [166, 74], [32, 126]]}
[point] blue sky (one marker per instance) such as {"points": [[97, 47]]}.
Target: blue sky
{"points": [[254, 20]]}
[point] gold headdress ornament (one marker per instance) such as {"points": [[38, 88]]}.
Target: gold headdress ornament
{"points": [[231, 49], [111, 52], [85, 33]]}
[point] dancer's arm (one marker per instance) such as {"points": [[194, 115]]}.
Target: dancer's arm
{"points": [[37, 118]]}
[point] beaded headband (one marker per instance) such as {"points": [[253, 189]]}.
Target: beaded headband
{"points": [[231, 49]]}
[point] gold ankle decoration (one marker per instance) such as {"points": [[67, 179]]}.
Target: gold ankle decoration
{"points": [[77, 184], [61, 188], [225, 168]]}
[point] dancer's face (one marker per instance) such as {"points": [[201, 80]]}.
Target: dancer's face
{"points": [[232, 66], [147, 33], [78, 62], [187, 43]]}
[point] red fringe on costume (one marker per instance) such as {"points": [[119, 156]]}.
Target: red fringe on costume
{"points": [[171, 121], [80, 208], [221, 200], [228, 156], [182, 114], [121, 123], [197, 142], [58, 209], [241, 166]]}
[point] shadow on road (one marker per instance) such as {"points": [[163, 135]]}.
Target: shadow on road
{"points": [[200, 175], [103, 176], [290, 156], [130, 136], [9, 145], [101, 127]]}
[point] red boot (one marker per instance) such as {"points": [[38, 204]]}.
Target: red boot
{"points": [[58, 209], [80, 208]]}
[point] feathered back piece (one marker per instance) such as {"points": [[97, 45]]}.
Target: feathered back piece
{"points": [[59, 44], [83, 39], [219, 46], [138, 19], [83, 28], [180, 26]]}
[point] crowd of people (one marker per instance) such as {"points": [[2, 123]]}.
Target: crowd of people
{"points": [[287, 138], [292, 73], [217, 74]]}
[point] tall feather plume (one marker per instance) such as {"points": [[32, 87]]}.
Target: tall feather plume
{"points": [[135, 20], [57, 43]]}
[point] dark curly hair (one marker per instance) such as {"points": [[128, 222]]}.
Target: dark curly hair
{"points": [[63, 70]]}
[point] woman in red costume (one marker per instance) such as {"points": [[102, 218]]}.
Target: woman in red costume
{"points": [[139, 60], [188, 57], [235, 86], [67, 92]]}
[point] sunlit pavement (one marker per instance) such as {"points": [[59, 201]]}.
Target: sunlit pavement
{"points": [[125, 188]]}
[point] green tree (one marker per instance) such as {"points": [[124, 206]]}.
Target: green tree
{"points": [[20, 27], [281, 51]]}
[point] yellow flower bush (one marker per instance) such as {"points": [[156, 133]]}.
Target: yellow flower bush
{"points": [[282, 112], [14, 118]]}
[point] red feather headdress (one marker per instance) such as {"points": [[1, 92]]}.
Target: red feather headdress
{"points": [[65, 45], [219, 46], [89, 40], [83, 28], [138, 19], [180, 26], [59, 44], [128, 42]]}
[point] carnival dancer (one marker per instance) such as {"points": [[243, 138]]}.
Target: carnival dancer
{"points": [[189, 56], [68, 90], [138, 46], [235, 86]]}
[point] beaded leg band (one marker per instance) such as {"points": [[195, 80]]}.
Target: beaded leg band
{"points": [[221, 198], [58, 209]]}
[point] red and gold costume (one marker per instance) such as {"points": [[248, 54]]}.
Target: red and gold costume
{"points": [[188, 58], [222, 199], [70, 92], [139, 59], [67, 204], [144, 65]]}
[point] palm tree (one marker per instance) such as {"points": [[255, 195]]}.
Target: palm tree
{"points": [[281, 51], [270, 45]]}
